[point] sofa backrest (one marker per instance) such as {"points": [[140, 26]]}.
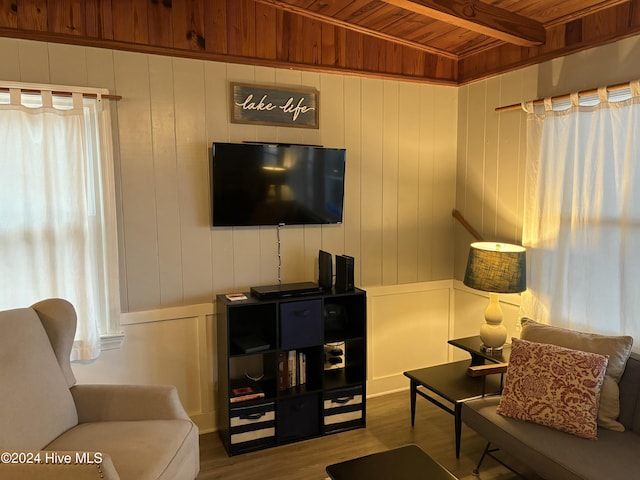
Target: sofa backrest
{"points": [[630, 394], [37, 405]]}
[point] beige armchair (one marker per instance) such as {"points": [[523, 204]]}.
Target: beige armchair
{"points": [[52, 428]]}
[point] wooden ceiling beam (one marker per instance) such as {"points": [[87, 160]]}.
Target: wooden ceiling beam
{"points": [[479, 17], [284, 5]]}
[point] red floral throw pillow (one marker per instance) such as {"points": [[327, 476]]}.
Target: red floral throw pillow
{"points": [[553, 386]]}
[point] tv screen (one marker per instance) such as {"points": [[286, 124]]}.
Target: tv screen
{"points": [[275, 184]]}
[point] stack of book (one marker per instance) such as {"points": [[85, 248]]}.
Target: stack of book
{"points": [[243, 390], [292, 369]]}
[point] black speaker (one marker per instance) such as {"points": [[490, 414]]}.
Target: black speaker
{"points": [[344, 273], [325, 270]]}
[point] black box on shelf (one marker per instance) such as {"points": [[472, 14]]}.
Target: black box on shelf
{"points": [[298, 417], [300, 324]]}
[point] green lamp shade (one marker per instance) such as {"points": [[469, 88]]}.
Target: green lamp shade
{"points": [[496, 267]]}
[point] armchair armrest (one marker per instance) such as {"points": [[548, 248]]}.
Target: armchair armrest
{"points": [[56, 465], [99, 403]]}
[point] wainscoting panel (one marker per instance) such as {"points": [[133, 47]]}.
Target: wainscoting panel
{"points": [[168, 346], [409, 327]]}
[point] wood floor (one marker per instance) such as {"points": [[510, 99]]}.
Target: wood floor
{"points": [[388, 426]]}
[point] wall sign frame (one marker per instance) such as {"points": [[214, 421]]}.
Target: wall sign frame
{"points": [[274, 106]]}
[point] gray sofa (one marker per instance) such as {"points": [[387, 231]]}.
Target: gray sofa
{"points": [[555, 455], [52, 428]]}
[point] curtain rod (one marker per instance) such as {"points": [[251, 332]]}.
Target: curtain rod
{"points": [[566, 96], [65, 94]]}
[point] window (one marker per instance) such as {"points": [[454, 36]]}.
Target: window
{"points": [[57, 207], [582, 213]]}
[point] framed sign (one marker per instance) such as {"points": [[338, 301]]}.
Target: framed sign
{"points": [[275, 106]]}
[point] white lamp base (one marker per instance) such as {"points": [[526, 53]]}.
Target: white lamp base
{"points": [[493, 333]]}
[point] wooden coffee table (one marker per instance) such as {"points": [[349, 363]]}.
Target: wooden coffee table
{"points": [[405, 463], [448, 384]]}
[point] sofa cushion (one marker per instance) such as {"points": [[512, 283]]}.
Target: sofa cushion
{"points": [[617, 348], [36, 403], [554, 386], [139, 450], [553, 454]]}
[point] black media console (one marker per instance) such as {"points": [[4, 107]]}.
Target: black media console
{"points": [[290, 368]]}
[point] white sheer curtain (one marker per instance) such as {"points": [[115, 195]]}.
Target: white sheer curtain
{"points": [[57, 211], [582, 214]]}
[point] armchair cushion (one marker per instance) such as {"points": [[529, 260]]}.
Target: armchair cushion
{"points": [[36, 403], [141, 450]]}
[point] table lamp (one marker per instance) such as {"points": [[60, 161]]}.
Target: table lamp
{"points": [[495, 268]]}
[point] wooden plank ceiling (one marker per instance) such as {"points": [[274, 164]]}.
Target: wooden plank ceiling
{"points": [[449, 42]]}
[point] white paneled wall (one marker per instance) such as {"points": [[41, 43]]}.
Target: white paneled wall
{"points": [[491, 160], [400, 189], [400, 182]]}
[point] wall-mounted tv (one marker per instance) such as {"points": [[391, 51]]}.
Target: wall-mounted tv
{"points": [[276, 184]]}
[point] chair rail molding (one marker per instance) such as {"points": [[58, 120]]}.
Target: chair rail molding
{"points": [[168, 313]]}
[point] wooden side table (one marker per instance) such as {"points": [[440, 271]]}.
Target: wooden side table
{"points": [[449, 383], [473, 345]]}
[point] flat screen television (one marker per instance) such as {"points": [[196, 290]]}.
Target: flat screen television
{"points": [[275, 184]]}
